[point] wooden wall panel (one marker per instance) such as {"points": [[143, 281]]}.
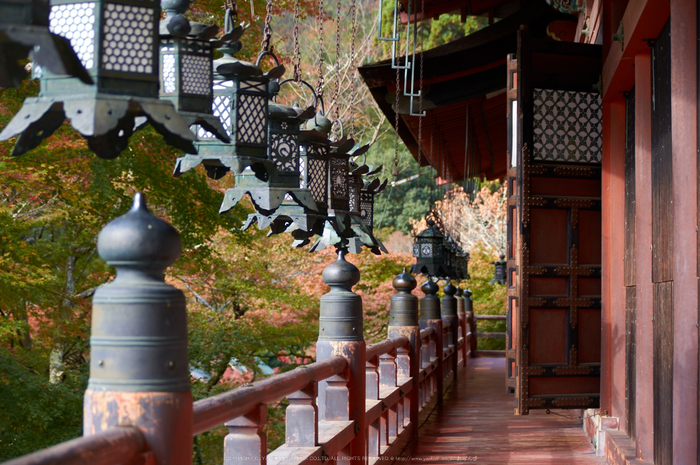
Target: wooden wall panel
{"points": [[663, 373], [629, 192], [630, 269], [630, 365], [661, 161]]}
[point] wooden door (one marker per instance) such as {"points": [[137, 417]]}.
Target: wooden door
{"points": [[558, 327]]}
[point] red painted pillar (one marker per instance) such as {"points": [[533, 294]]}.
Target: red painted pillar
{"points": [[685, 216], [613, 243]]}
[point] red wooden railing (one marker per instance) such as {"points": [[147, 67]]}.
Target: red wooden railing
{"points": [[405, 377]]}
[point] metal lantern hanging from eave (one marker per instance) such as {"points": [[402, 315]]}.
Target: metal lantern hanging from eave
{"points": [[117, 42], [24, 28], [462, 264], [277, 196], [240, 100], [186, 55], [429, 251], [499, 271]]}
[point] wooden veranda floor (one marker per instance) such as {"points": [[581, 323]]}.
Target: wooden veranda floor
{"points": [[476, 424]]}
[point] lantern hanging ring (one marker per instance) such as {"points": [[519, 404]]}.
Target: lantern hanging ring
{"points": [[265, 53], [311, 88]]}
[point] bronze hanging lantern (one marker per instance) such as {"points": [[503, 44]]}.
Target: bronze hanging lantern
{"points": [[24, 29], [499, 271], [117, 42], [278, 198], [240, 100], [429, 251], [462, 266], [186, 55]]}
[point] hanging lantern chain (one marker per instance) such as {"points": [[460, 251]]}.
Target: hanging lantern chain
{"points": [[297, 53], [267, 30], [336, 93], [319, 19], [353, 34], [420, 92], [231, 6], [396, 122]]}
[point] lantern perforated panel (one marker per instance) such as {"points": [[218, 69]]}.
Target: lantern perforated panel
{"points": [[168, 72], [367, 208], [318, 179], [567, 126], [76, 22], [339, 169], [426, 250], [416, 250], [353, 197], [251, 118], [284, 152], [128, 38], [196, 71]]}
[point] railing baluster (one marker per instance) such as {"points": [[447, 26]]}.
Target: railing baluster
{"points": [[301, 423], [372, 393], [387, 379], [246, 441], [337, 399]]}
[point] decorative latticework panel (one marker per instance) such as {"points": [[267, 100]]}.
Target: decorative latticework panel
{"points": [[196, 71], [367, 208], [567, 126], [251, 119], [128, 38], [318, 180], [76, 22], [339, 183], [168, 72], [354, 197], [284, 152]]}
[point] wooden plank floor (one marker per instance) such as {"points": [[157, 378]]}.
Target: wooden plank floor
{"points": [[476, 424]]}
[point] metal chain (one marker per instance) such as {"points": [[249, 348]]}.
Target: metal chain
{"points": [[231, 5], [336, 93], [396, 121], [267, 30], [297, 53], [353, 17], [420, 91], [319, 19]]}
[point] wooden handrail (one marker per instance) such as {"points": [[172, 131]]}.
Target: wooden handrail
{"points": [[216, 410], [385, 346], [118, 444], [424, 334], [490, 317]]}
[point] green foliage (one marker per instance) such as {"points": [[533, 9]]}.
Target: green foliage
{"points": [[33, 413], [488, 299]]}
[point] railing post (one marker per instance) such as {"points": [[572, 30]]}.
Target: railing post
{"points": [[139, 370], [246, 441], [340, 333], [459, 295], [403, 321], [430, 318], [471, 319], [451, 321]]}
